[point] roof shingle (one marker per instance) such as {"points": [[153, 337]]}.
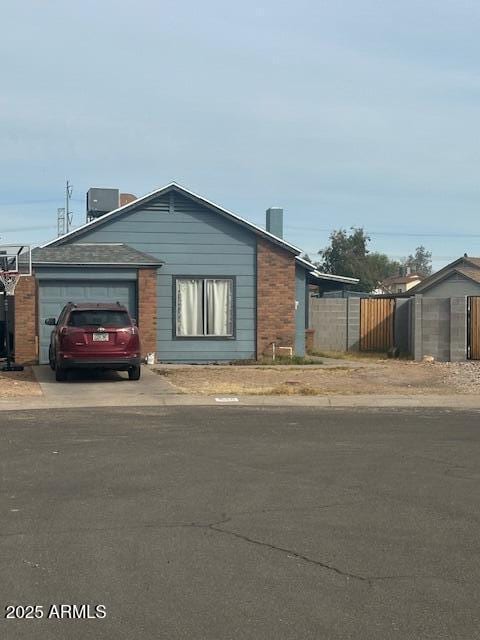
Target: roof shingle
{"points": [[93, 254]]}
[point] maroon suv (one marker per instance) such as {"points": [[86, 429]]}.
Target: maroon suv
{"points": [[94, 336]]}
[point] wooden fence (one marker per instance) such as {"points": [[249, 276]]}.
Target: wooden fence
{"points": [[377, 317]]}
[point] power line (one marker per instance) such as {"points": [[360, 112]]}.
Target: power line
{"points": [[430, 234], [38, 227]]}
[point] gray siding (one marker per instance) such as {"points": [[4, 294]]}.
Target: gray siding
{"points": [[300, 284], [191, 240], [84, 273], [454, 286]]}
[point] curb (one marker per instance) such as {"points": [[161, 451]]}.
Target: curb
{"points": [[457, 402]]}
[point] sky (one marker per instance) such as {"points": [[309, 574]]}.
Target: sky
{"points": [[345, 113]]}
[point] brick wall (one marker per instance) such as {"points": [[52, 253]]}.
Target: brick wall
{"points": [[275, 297], [26, 351], [147, 310]]}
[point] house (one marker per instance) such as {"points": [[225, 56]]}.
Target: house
{"points": [[204, 283], [459, 278], [400, 283]]}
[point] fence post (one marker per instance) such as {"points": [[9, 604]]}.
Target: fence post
{"points": [[417, 327], [353, 324]]}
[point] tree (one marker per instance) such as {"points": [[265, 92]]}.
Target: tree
{"points": [[306, 257], [420, 262], [348, 255]]}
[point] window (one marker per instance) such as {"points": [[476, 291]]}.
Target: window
{"points": [[204, 307], [99, 318]]}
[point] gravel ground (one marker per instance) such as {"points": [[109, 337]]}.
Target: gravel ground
{"points": [[18, 384], [461, 377], [385, 377]]}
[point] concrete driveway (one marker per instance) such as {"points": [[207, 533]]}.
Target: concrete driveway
{"points": [[101, 388]]}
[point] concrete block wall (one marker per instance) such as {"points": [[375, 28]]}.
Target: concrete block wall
{"points": [[439, 328], [436, 328], [336, 323], [423, 326], [328, 319]]}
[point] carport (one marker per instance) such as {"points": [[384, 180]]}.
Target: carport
{"points": [[94, 273]]}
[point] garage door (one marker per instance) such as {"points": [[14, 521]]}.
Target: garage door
{"points": [[54, 295]]}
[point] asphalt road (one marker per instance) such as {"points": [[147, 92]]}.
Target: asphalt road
{"points": [[232, 523]]}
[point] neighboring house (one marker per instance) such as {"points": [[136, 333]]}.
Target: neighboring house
{"points": [[459, 278], [399, 283], [204, 284]]}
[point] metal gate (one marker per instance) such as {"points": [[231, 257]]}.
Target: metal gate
{"points": [[473, 328], [377, 324]]}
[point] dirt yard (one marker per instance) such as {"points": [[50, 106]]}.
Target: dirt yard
{"points": [[385, 377], [18, 384]]}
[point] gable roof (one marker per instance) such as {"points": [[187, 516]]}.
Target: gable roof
{"points": [[472, 274], [465, 266], [93, 254], [175, 187], [401, 279]]}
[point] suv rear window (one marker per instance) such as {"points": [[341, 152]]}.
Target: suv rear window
{"points": [[98, 318]]}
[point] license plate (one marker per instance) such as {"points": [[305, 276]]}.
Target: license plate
{"points": [[100, 337]]}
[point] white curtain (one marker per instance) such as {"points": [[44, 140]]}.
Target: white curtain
{"points": [[219, 307], [189, 307]]}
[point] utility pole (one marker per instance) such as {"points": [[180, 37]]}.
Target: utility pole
{"points": [[68, 214], [61, 221]]}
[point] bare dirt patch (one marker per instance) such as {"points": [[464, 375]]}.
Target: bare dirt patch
{"points": [[381, 378], [18, 384]]}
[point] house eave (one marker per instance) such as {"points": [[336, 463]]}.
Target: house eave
{"points": [[120, 265], [313, 271], [329, 276]]}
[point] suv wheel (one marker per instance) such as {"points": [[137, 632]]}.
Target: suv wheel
{"points": [[134, 372], [51, 361], [60, 374]]}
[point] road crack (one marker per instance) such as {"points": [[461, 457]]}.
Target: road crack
{"points": [[289, 552]]}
